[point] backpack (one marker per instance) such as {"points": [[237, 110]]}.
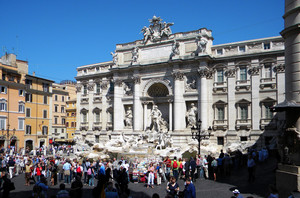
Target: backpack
{"points": [[175, 165], [78, 170], [89, 172], [181, 166]]}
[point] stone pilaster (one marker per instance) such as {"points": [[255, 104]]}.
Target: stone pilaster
{"points": [[231, 113], [104, 119], [255, 109], [91, 86], [280, 69], [179, 105], [78, 98], [137, 105], [145, 115], [118, 124]]}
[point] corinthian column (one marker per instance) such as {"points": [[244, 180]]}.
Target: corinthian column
{"points": [[203, 110], [118, 109], [254, 71], [137, 106], [179, 104]]}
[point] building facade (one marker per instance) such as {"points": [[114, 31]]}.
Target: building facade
{"points": [[12, 101], [38, 111], [229, 87], [71, 118], [62, 94]]}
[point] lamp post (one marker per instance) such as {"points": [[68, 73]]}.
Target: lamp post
{"points": [[8, 135], [198, 134]]}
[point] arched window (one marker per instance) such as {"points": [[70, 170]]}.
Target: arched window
{"points": [[3, 104]]}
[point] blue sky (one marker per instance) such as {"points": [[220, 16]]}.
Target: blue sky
{"points": [[57, 36]]}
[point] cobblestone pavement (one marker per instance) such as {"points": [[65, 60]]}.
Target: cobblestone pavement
{"points": [[265, 175]]}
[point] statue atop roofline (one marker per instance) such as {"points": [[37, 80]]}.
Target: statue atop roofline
{"points": [[157, 30]]}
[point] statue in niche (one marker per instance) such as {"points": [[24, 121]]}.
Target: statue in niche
{"points": [[128, 117], [191, 85], [115, 57], [155, 119], [192, 116], [135, 54], [127, 89]]}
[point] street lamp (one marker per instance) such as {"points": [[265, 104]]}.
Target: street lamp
{"points": [[7, 135], [198, 134]]}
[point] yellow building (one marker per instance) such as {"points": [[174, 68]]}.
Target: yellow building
{"points": [[62, 94], [12, 101], [71, 118], [38, 111]]}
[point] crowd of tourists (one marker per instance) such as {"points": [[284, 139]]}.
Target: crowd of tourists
{"points": [[111, 177]]}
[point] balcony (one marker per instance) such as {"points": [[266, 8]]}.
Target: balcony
{"points": [[220, 125], [220, 87], [267, 83], [242, 84], [97, 126], [243, 124]]}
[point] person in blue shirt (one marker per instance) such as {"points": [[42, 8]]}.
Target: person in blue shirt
{"points": [[189, 190]]}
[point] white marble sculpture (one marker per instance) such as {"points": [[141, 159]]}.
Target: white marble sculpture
{"points": [[128, 117], [135, 54], [192, 116], [115, 57], [155, 119]]}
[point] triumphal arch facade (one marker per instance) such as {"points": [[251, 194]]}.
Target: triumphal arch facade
{"points": [[167, 81]]}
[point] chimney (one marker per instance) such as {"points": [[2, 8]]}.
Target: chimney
{"points": [[33, 73]]}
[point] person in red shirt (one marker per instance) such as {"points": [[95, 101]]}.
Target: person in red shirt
{"points": [[168, 162], [38, 171]]}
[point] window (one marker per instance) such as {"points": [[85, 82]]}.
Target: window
{"points": [[220, 75], [244, 138], [45, 130], [2, 123], [268, 70], [63, 121], [220, 112], [84, 116], [3, 89], [45, 114], [21, 108], [28, 130], [84, 89], [67, 124], [72, 124], [28, 82], [55, 108], [62, 130], [45, 87], [55, 97], [63, 98], [219, 51], [98, 88], [28, 112], [244, 111], [243, 73], [73, 114], [242, 48], [45, 99], [21, 92], [21, 123], [63, 109], [268, 112], [220, 140], [55, 131], [55, 120], [28, 97], [3, 76], [3, 105], [267, 46]]}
